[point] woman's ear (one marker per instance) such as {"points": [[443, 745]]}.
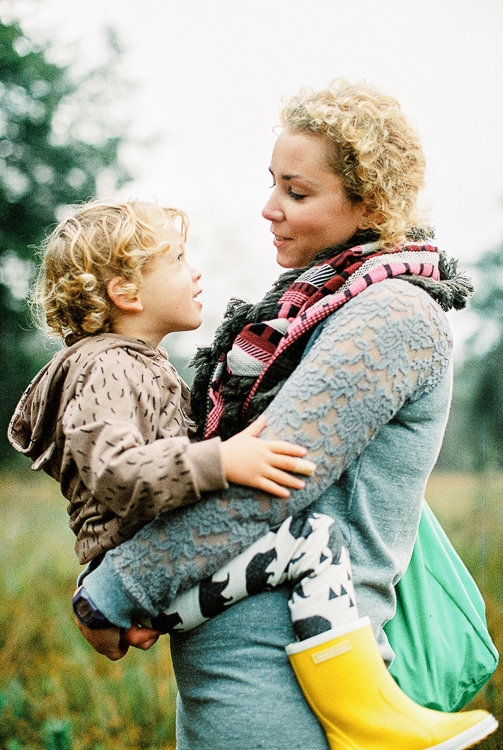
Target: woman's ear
{"points": [[115, 289], [368, 217]]}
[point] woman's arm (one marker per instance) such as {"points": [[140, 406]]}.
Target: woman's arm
{"points": [[390, 344]]}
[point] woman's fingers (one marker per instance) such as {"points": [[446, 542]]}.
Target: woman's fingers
{"points": [[106, 641], [140, 637]]}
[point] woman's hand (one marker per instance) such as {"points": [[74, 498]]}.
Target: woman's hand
{"points": [[264, 464], [114, 642]]}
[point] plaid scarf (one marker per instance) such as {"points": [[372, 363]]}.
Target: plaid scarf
{"points": [[265, 353]]}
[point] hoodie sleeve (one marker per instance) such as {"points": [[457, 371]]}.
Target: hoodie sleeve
{"points": [[121, 434]]}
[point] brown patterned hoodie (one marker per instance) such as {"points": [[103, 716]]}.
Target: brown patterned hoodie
{"points": [[108, 418]]}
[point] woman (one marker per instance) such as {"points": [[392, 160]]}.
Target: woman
{"points": [[351, 357]]}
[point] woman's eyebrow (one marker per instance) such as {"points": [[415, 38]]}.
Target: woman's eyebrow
{"points": [[288, 177], [285, 176]]}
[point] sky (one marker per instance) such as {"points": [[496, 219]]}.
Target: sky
{"points": [[207, 80]]}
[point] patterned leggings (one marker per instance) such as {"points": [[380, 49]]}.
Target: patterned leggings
{"points": [[300, 553]]}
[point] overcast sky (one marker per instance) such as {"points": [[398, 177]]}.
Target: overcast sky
{"points": [[210, 75]]}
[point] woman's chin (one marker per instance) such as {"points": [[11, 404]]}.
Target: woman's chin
{"points": [[286, 260], [281, 262]]}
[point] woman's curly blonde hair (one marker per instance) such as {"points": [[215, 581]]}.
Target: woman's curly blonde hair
{"points": [[375, 150], [100, 240]]}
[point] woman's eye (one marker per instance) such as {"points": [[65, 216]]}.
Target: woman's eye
{"points": [[296, 196]]}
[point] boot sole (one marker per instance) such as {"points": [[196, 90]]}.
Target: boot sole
{"points": [[469, 737]]}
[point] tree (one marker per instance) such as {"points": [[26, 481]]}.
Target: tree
{"points": [[56, 143], [474, 438], [485, 410]]}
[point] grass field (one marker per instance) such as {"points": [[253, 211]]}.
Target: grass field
{"points": [[57, 694]]}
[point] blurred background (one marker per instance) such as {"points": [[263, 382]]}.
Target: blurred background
{"points": [[176, 100]]}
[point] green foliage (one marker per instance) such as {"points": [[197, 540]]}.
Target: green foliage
{"points": [[486, 361], [469, 508], [56, 693], [57, 139], [474, 437]]}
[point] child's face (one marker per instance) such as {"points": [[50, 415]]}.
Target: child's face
{"points": [[169, 290]]}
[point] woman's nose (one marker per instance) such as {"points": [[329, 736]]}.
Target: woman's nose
{"points": [[272, 210], [196, 275]]}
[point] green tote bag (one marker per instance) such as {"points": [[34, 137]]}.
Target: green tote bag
{"points": [[444, 653]]}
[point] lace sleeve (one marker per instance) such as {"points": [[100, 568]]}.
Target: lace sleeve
{"points": [[390, 344]]}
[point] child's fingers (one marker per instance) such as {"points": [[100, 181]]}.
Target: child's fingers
{"points": [[297, 465], [283, 478], [255, 428], [287, 449], [304, 467], [273, 489]]}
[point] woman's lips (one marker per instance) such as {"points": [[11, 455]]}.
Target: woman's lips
{"points": [[280, 241]]}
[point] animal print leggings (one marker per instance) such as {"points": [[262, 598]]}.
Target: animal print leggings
{"points": [[300, 553]]}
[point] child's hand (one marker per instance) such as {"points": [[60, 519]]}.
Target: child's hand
{"points": [[264, 463]]}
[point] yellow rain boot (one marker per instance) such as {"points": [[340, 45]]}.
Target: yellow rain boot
{"points": [[360, 706]]}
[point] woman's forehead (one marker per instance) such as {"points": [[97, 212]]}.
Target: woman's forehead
{"points": [[297, 154]]}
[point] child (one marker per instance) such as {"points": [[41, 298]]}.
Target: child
{"points": [[108, 418]]}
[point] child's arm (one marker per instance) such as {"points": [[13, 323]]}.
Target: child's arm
{"points": [[135, 468], [264, 464]]}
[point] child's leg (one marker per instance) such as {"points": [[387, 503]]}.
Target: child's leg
{"points": [[306, 552], [323, 595]]}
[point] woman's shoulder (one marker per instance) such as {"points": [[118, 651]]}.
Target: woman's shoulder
{"points": [[392, 301], [393, 333], [392, 321], [401, 290]]}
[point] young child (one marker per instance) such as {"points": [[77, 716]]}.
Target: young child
{"points": [[108, 418]]}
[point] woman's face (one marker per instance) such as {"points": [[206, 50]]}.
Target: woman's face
{"points": [[308, 209]]}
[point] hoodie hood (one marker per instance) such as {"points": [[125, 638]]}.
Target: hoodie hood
{"points": [[35, 428]]}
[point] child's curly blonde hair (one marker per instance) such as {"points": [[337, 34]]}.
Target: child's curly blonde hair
{"points": [[375, 150], [100, 240]]}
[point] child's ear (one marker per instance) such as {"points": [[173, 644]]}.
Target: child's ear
{"points": [[115, 289]]}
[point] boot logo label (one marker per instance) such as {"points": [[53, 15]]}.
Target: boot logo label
{"points": [[330, 653]]}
